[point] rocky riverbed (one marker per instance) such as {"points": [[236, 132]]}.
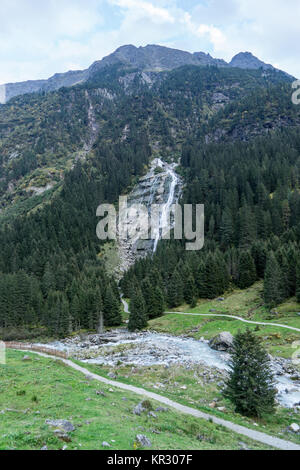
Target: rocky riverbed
{"points": [[151, 348]]}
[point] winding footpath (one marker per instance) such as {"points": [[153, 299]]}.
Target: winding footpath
{"points": [[126, 309], [235, 318], [242, 430]]}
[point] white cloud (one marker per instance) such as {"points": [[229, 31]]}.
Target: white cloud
{"points": [[39, 39], [138, 7]]}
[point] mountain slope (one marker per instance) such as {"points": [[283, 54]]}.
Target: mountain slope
{"points": [[64, 152]]}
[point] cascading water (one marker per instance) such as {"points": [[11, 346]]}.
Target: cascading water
{"points": [[161, 186], [164, 219]]}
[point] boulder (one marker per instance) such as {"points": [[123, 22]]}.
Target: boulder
{"points": [[112, 375], [61, 424], [294, 427], [222, 342], [105, 444], [139, 409], [143, 440]]}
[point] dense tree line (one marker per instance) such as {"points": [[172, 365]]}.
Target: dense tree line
{"points": [[251, 193], [50, 274]]}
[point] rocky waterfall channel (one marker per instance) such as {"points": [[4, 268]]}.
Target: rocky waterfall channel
{"points": [[160, 186]]}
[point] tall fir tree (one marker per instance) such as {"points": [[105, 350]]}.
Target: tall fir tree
{"points": [[247, 270], [138, 315], [250, 385], [272, 282]]}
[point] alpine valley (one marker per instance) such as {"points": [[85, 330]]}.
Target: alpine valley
{"points": [[160, 126]]}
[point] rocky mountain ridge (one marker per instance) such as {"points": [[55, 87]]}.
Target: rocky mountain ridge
{"points": [[151, 58]]}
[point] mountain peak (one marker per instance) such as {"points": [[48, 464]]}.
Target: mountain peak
{"points": [[246, 60], [150, 58]]}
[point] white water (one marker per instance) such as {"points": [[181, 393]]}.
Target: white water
{"points": [[164, 220]]}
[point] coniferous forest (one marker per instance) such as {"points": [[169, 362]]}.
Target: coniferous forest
{"points": [[241, 159]]}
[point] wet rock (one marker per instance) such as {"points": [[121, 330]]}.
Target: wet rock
{"points": [[222, 342], [143, 440]]}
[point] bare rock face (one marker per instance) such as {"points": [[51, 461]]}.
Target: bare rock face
{"points": [[246, 60], [222, 342]]}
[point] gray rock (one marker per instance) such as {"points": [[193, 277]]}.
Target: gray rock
{"points": [[105, 444], [243, 446], [26, 358], [143, 440], [61, 424], [294, 427], [44, 448], [63, 436], [222, 342], [111, 375], [139, 409], [152, 415]]}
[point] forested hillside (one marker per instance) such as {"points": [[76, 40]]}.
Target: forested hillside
{"points": [[252, 223], [64, 153]]}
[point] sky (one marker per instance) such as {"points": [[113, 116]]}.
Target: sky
{"points": [[40, 38]]}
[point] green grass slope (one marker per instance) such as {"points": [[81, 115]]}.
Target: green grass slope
{"points": [[42, 389]]}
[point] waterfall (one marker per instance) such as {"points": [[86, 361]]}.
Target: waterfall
{"points": [[164, 219], [161, 186]]}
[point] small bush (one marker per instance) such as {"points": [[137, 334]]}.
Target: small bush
{"points": [[147, 405]]}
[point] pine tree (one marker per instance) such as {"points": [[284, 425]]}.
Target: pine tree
{"points": [[272, 282], [111, 308], [247, 270], [158, 306], [250, 386], [138, 315], [175, 290], [189, 289]]}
